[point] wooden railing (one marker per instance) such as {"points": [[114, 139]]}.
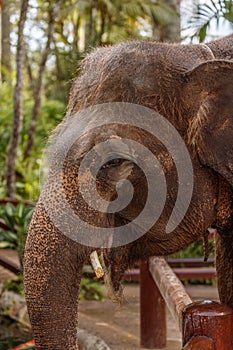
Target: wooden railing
{"points": [[205, 325], [184, 268]]}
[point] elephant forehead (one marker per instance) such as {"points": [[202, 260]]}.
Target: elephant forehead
{"points": [[113, 137]]}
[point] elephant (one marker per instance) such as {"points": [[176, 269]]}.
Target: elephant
{"points": [[191, 87]]}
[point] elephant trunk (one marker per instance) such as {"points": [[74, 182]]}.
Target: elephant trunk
{"points": [[52, 274]]}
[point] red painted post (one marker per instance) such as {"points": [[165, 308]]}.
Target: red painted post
{"points": [[200, 343], [210, 319], [153, 312]]}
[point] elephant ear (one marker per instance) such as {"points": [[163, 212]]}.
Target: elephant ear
{"points": [[210, 88]]}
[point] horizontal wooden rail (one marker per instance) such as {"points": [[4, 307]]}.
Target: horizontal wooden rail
{"points": [[182, 273], [10, 265], [15, 201], [195, 273], [193, 268], [184, 268], [3, 225], [190, 262]]}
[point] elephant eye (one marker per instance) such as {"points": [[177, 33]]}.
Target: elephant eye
{"points": [[113, 163]]}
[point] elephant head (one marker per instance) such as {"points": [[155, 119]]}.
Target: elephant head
{"points": [[161, 117]]}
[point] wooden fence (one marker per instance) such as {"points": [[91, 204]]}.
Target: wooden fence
{"points": [[205, 325]]}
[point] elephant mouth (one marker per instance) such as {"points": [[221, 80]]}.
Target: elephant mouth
{"points": [[110, 263], [114, 291]]}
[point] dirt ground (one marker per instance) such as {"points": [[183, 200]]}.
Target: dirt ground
{"points": [[119, 326]]}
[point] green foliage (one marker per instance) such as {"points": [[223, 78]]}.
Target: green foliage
{"points": [[27, 172], [163, 14], [90, 290], [17, 219], [6, 113], [80, 26], [195, 250], [8, 239], [206, 13], [15, 285]]}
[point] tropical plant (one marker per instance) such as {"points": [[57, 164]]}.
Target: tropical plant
{"points": [[205, 14], [91, 290], [27, 172], [195, 250], [51, 42], [14, 223]]}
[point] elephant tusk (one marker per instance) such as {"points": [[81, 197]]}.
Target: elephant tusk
{"points": [[100, 271], [96, 264]]}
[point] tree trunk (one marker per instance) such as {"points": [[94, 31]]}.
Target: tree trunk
{"points": [[75, 47], [89, 27], [171, 31], [6, 44], [39, 85], [30, 75], [0, 40], [18, 105]]}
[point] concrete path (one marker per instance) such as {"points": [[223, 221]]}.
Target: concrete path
{"points": [[119, 326]]}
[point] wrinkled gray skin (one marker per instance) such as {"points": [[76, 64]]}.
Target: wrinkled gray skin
{"points": [[192, 87]]}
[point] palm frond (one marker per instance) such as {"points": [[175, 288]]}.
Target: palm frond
{"points": [[204, 15]]}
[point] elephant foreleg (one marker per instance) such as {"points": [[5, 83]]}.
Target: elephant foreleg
{"points": [[224, 266]]}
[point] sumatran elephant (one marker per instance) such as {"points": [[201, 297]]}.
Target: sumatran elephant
{"points": [[188, 90]]}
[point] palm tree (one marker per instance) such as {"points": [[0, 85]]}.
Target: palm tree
{"points": [[206, 13], [103, 22]]}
